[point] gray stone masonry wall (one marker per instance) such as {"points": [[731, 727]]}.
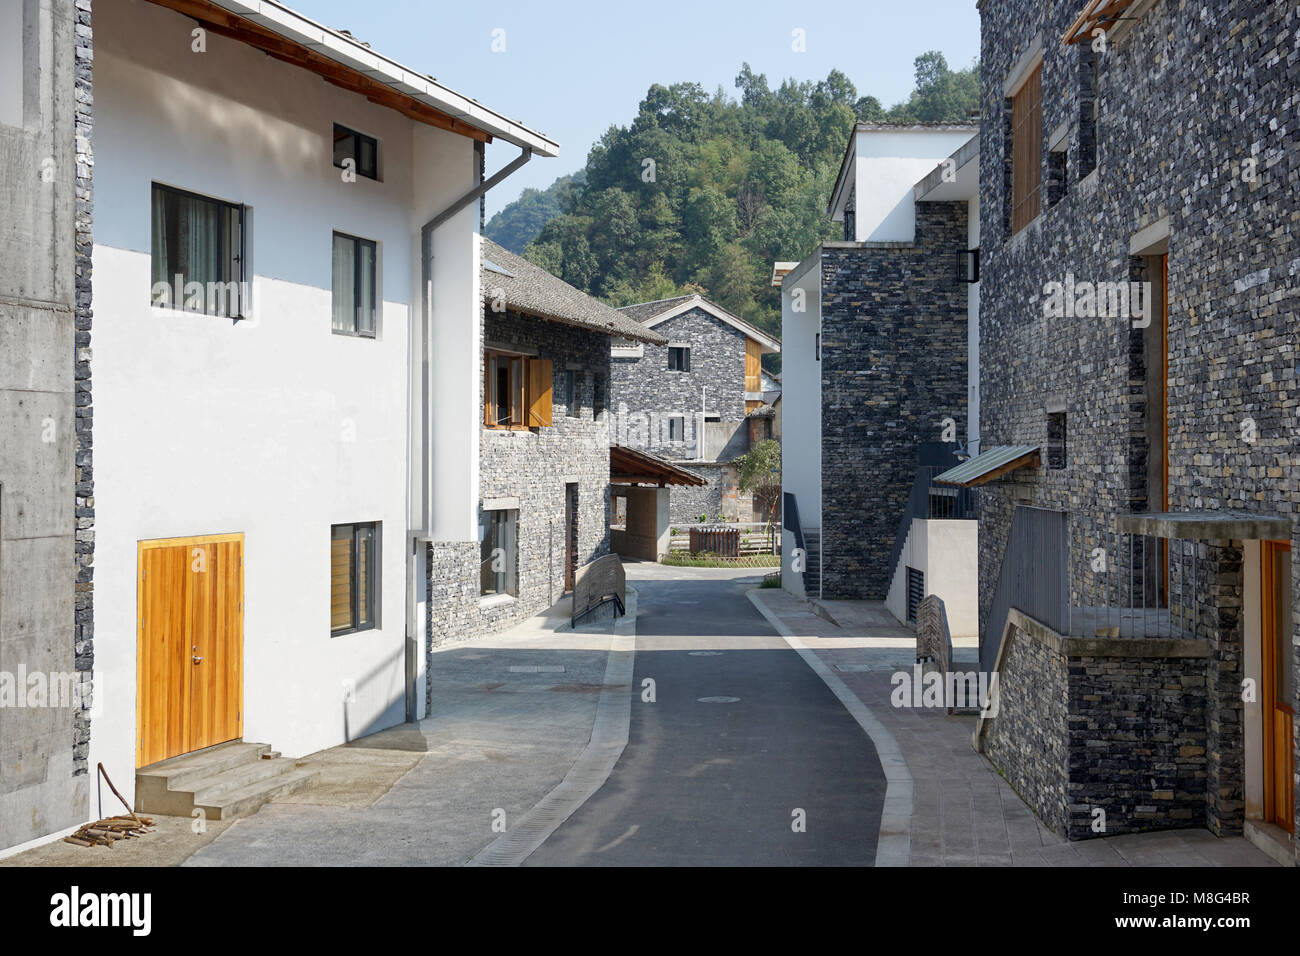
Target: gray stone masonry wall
{"points": [[1198, 124], [646, 386], [534, 467], [721, 496], [893, 367]]}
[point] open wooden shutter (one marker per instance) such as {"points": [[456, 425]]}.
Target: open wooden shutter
{"points": [[539, 392], [489, 419]]}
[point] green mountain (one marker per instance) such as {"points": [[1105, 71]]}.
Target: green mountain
{"points": [[703, 192]]}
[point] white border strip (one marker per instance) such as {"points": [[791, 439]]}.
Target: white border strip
{"points": [[894, 843], [594, 765]]}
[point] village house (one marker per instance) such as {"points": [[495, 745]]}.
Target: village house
{"points": [[879, 391], [286, 356], [544, 455], [697, 399], [1137, 592]]}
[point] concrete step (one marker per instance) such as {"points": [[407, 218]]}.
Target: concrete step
{"points": [[226, 781], [248, 800]]}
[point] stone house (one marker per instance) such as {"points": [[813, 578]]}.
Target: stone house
{"points": [[1139, 172], [544, 450], [877, 331], [47, 504], [287, 345], [690, 399]]}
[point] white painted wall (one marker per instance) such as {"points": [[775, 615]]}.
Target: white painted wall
{"points": [[801, 396], [887, 165], [946, 551], [973, 335], [12, 71], [274, 427], [1252, 604]]}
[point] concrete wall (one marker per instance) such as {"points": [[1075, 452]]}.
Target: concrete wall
{"points": [[646, 534], [945, 551], [800, 406], [44, 232], [273, 426], [887, 165]]}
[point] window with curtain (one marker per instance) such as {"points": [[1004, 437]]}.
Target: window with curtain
{"points": [[354, 577], [354, 286], [196, 248]]}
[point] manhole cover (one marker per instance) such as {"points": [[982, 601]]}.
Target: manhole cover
{"points": [[706, 653], [537, 669], [717, 700]]}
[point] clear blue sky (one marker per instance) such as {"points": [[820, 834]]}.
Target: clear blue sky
{"points": [[573, 68]]}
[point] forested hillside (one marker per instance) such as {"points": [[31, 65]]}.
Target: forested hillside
{"points": [[702, 193]]}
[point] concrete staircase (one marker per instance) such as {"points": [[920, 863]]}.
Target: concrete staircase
{"points": [[230, 780]]}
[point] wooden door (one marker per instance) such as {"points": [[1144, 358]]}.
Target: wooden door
{"points": [[191, 636], [1278, 693]]}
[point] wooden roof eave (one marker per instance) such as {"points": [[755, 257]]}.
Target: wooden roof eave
{"points": [[1093, 15]]}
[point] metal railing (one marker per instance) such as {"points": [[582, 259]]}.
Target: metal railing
{"points": [[1138, 586], [1033, 577]]}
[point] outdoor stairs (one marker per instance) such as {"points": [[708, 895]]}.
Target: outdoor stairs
{"points": [[812, 578], [226, 781]]}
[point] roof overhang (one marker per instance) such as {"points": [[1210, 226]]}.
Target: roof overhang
{"points": [[1103, 15], [956, 182], [339, 59], [1207, 525], [628, 466], [768, 344], [990, 464], [780, 270]]}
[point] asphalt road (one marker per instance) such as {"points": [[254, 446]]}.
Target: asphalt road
{"points": [[720, 783]]}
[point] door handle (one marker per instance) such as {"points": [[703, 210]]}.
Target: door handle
{"points": [[196, 659]]}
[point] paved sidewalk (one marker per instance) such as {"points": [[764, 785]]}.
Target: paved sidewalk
{"points": [[963, 812]]}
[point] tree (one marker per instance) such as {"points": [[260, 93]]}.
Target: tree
{"points": [[760, 476]]}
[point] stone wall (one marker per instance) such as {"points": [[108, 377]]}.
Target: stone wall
{"points": [[533, 466], [893, 368], [645, 386], [1196, 127]]}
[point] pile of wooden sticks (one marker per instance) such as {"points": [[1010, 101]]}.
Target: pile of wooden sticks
{"points": [[107, 832]]}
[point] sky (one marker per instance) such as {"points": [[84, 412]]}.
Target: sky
{"points": [[573, 68]]}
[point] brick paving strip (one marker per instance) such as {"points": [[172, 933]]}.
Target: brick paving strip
{"points": [[946, 805]]}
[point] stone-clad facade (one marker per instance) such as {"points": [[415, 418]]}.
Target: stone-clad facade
{"points": [[1195, 138], [893, 321], [533, 466], [646, 386]]}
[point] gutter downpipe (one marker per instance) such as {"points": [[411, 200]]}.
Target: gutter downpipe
{"points": [[421, 531]]}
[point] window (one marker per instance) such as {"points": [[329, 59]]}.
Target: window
{"points": [[1057, 182], [498, 559], [1056, 440], [354, 577], [597, 396], [571, 393], [677, 428], [517, 391], [1026, 150], [196, 247], [817, 347], [363, 150], [354, 286], [679, 358], [915, 592]]}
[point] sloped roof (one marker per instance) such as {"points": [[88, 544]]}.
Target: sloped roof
{"points": [[661, 310], [631, 466], [990, 464], [532, 290]]}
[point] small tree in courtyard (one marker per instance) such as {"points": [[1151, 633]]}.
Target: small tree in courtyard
{"points": [[760, 475]]}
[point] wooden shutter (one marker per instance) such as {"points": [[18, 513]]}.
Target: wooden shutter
{"points": [[1026, 151], [540, 373], [489, 419]]}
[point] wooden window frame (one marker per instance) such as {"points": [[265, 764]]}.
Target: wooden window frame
{"points": [[341, 133], [372, 576], [1027, 150], [531, 383], [357, 245]]}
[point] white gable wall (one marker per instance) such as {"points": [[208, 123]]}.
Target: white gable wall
{"points": [[887, 166]]}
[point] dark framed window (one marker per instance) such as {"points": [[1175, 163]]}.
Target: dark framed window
{"points": [[354, 286], [679, 358], [597, 396], [354, 577], [358, 147], [676, 428], [197, 253], [1056, 440], [497, 554], [817, 346], [571, 393]]}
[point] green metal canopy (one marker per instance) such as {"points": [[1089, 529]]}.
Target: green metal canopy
{"points": [[990, 464]]}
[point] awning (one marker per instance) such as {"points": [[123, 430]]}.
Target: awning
{"points": [[627, 466], [990, 464], [1098, 14], [1207, 525]]}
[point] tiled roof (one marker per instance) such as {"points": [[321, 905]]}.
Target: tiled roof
{"points": [[648, 310], [532, 290]]}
